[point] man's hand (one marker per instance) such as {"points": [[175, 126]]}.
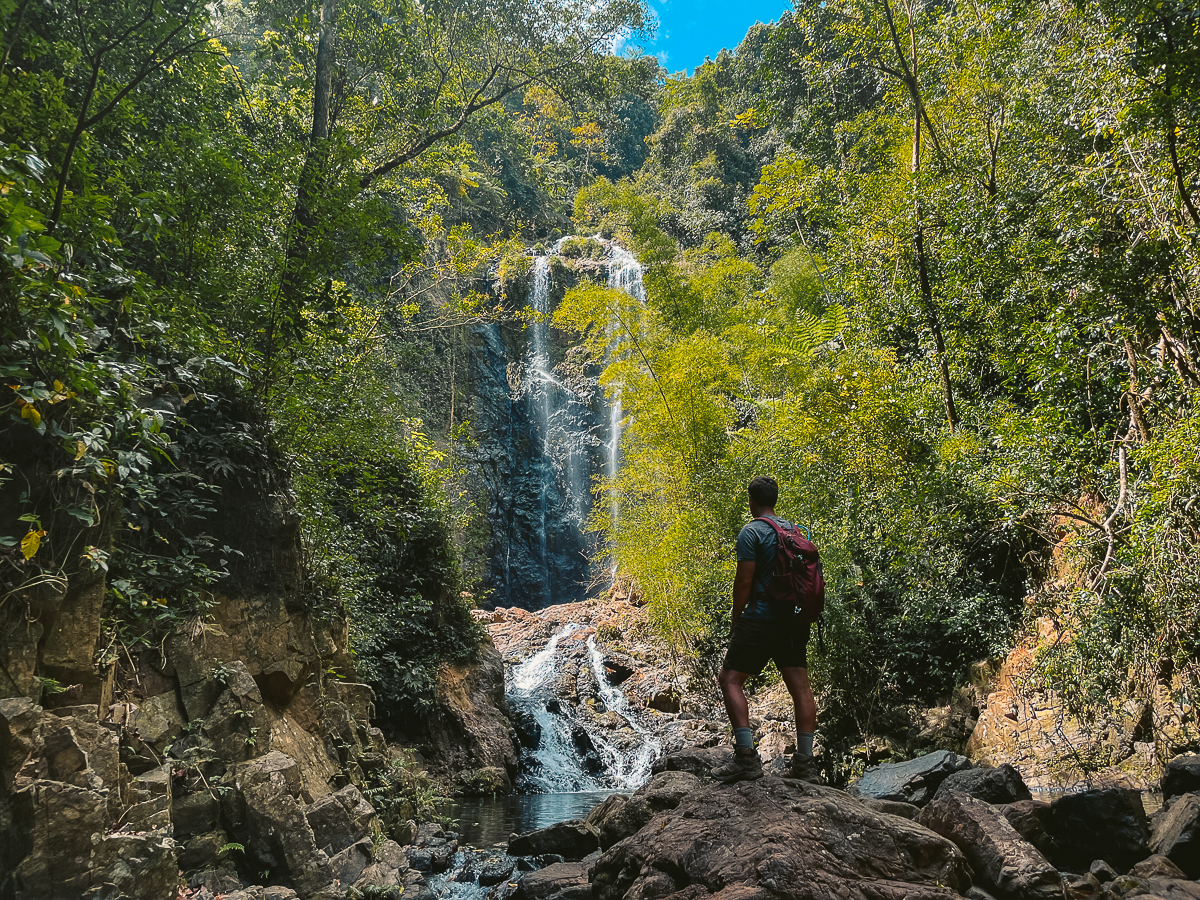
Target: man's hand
{"points": [[743, 583]]}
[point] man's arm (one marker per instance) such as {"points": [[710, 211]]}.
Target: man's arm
{"points": [[743, 582]]}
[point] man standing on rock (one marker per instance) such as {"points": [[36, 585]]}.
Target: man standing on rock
{"points": [[764, 629]]}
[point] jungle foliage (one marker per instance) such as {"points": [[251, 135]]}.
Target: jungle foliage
{"points": [[224, 230], [935, 267]]}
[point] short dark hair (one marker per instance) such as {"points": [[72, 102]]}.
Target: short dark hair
{"points": [[764, 490]]}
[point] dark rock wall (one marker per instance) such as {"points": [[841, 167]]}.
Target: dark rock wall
{"points": [[538, 552]]}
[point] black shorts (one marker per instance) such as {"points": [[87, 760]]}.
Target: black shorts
{"points": [[755, 641]]}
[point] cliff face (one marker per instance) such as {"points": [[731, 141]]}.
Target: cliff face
{"points": [[231, 748]]}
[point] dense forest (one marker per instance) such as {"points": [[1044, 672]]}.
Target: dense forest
{"points": [[935, 266]]}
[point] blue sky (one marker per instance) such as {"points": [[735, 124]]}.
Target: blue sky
{"points": [[690, 30]]}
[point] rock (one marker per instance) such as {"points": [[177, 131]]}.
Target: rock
{"points": [[1002, 784], [914, 781], [238, 719], [667, 701], [1102, 870], [618, 817], [496, 869], [1150, 888], [150, 796], [1110, 823], [562, 881], [1030, 818], [389, 868], [220, 880], [1177, 834], [159, 720], [204, 851], [696, 760], [666, 789], [348, 865], [278, 836], [572, 840], [340, 819], [139, 866], [469, 728], [482, 782], [1084, 887], [1003, 860], [194, 813], [58, 826], [1156, 867], [893, 808], [780, 838], [1181, 776]]}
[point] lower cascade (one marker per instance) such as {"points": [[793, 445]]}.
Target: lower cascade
{"points": [[596, 745]]}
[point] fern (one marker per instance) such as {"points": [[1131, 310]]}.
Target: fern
{"points": [[813, 332]]}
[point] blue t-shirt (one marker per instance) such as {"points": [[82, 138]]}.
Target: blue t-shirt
{"points": [[757, 542]]}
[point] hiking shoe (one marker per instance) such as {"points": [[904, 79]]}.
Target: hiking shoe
{"points": [[805, 768], [745, 766]]}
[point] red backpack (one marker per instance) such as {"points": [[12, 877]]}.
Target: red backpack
{"points": [[798, 579]]}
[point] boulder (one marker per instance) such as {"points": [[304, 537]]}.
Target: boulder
{"points": [[1151, 888], [562, 881], [1001, 859], [389, 869], [1177, 834], [914, 781], [204, 851], [780, 838], [1109, 824], [696, 760], [277, 834], [1181, 776], [496, 869], [1031, 819], [572, 840], [348, 865], [666, 789], [893, 808], [1156, 867], [617, 818], [1002, 784], [340, 819]]}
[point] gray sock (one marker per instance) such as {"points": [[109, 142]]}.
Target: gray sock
{"points": [[743, 739], [805, 747]]}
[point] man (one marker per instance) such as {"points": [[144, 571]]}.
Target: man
{"points": [[763, 629]]}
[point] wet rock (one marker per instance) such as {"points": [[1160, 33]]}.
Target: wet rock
{"points": [[496, 869], [533, 863], [1002, 784], [696, 760], [1181, 776], [572, 840], [1177, 834], [1000, 858], [562, 881], [893, 808], [913, 781], [340, 819], [1110, 824], [780, 838]]}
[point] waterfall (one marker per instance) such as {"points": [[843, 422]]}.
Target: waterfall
{"points": [[624, 274], [574, 752]]}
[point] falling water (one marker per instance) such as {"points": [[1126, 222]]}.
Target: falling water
{"points": [[624, 274], [573, 753]]}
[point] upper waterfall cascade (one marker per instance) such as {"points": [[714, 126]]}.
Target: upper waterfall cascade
{"points": [[546, 432]]}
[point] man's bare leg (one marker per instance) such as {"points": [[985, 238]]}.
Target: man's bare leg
{"points": [[798, 686], [733, 692]]}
